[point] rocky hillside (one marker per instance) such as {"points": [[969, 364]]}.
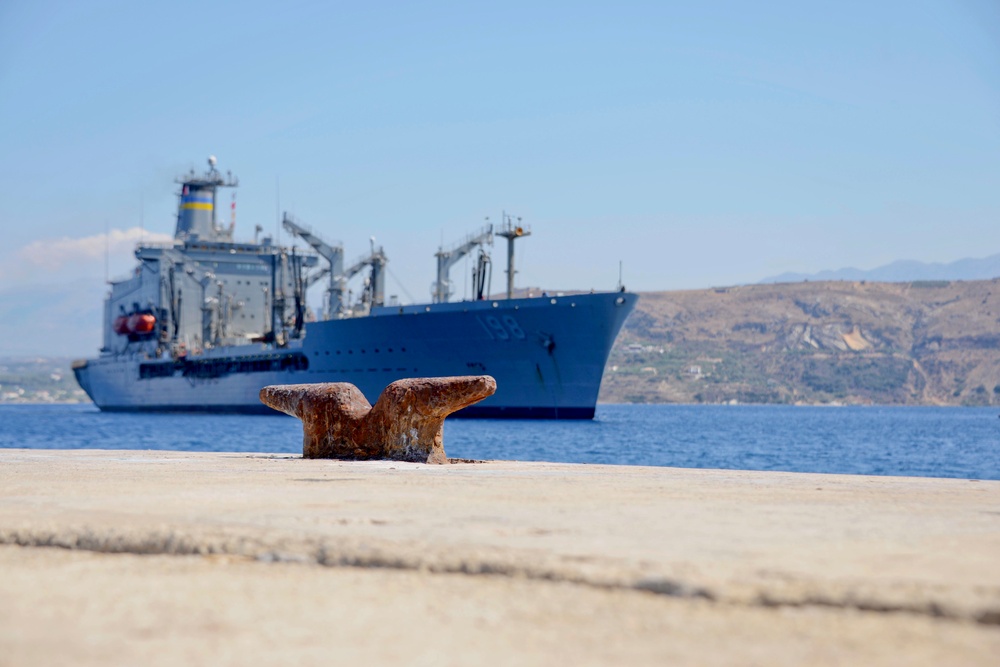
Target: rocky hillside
{"points": [[920, 343]]}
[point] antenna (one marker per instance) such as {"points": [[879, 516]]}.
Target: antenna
{"points": [[621, 285], [107, 252], [277, 211]]}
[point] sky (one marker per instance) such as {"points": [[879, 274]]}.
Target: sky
{"points": [[697, 144]]}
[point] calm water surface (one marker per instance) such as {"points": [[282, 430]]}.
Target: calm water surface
{"points": [[934, 442]]}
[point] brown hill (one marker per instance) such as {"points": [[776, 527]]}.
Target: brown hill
{"points": [[921, 343]]}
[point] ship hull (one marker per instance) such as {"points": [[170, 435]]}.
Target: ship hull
{"points": [[547, 355]]}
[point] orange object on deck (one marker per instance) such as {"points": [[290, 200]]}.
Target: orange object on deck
{"points": [[141, 323]]}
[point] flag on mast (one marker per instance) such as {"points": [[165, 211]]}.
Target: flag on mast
{"points": [[232, 214]]}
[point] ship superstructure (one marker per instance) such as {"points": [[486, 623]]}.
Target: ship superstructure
{"points": [[205, 321]]}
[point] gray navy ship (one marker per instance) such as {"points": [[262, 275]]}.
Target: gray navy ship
{"points": [[205, 321]]}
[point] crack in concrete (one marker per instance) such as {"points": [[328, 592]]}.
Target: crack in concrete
{"points": [[326, 555]]}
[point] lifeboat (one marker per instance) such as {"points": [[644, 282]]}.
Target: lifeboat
{"points": [[120, 325], [141, 323]]}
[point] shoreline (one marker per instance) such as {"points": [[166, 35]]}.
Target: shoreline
{"points": [[830, 558]]}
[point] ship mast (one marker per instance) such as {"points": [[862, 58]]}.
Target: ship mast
{"points": [[511, 232]]}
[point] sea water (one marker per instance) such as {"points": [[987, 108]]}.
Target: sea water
{"points": [[912, 441]]}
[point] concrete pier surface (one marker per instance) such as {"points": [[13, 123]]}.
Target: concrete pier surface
{"points": [[165, 558]]}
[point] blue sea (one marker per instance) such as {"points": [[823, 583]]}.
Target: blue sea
{"points": [[912, 441]]}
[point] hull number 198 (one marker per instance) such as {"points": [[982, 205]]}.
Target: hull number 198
{"points": [[505, 328]]}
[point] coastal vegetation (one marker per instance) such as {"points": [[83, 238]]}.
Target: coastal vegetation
{"points": [[39, 380]]}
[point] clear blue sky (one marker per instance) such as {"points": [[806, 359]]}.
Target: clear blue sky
{"points": [[701, 143]]}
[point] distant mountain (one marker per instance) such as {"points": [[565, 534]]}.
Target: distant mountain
{"points": [[905, 271], [927, 342]]}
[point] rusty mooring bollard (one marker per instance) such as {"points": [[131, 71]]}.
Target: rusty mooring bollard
{"points": [[406, 424]]}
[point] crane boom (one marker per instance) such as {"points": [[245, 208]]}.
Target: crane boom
{"points": [[447, 258], [328, 251], [333, 254], [375, 291]]}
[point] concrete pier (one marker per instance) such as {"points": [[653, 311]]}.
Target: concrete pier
{"points": [[165, 558]]}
